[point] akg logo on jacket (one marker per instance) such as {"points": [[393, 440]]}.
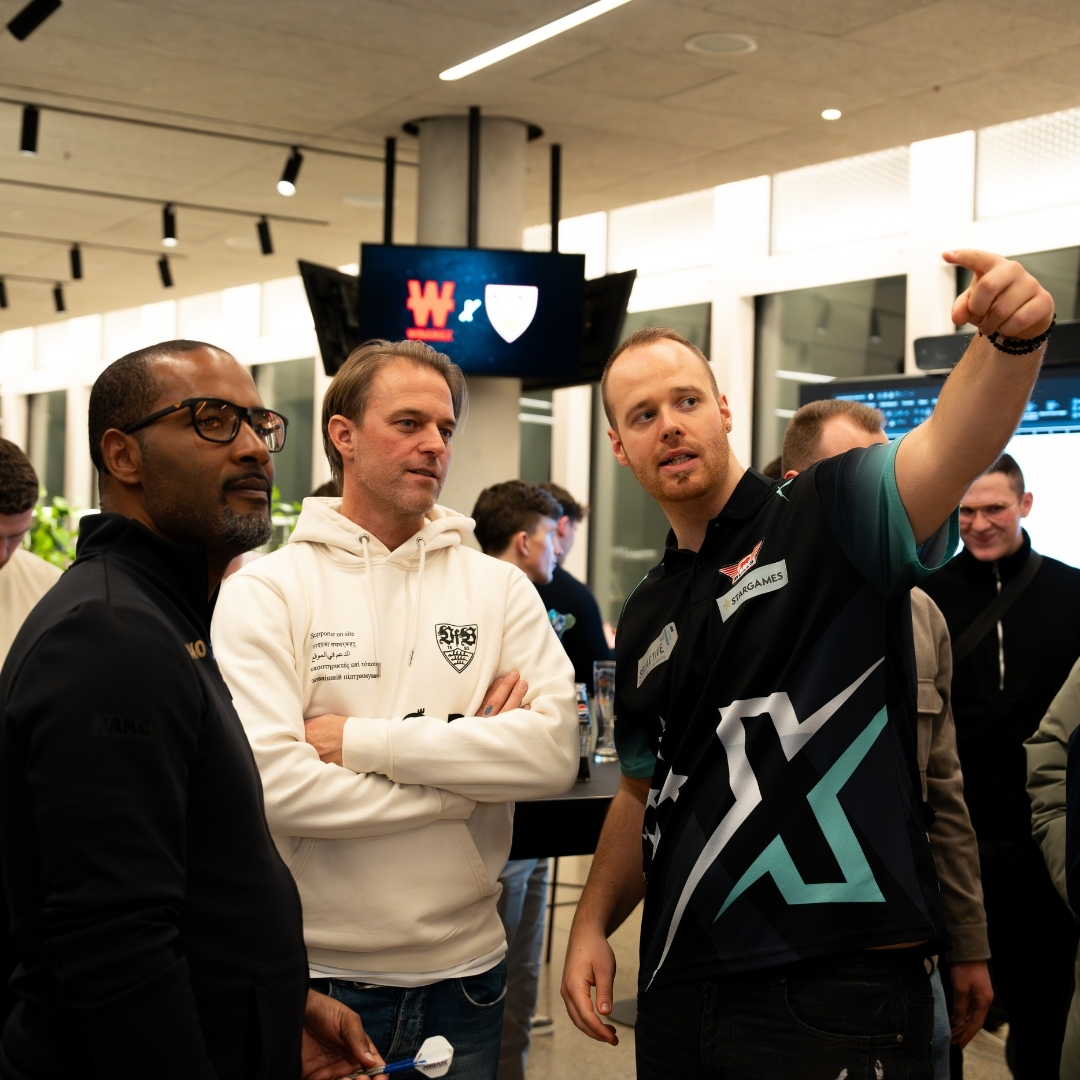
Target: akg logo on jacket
{"points": [[457, 644]]}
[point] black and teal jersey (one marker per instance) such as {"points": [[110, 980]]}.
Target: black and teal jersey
{"points": [[766, 684]]}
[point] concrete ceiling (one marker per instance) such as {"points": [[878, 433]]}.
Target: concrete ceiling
{"points": [[638, 115]]}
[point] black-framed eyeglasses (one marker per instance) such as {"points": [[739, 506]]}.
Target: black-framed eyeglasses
{"points": [[219, 421]]}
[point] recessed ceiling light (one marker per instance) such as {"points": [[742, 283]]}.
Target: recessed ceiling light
{"points": [[533, 37], [830, 114], [719, 44]]}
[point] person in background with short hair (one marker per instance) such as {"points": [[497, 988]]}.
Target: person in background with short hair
{"points": [[374, 661], [824, 429], [24, 578], [582, 635], [1002, 689], [518, 523]]}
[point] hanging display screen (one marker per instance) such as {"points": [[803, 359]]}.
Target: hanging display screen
{"points": [[492, 312]]}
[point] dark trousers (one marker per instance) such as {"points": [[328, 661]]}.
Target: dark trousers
{"points": [[862, 1016], [1033, 939]]}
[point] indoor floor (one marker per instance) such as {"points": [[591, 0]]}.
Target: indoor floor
{"points": [[568, 1053]]}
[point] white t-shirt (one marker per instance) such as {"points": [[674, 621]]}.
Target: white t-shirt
{"points": [[24, 580]]}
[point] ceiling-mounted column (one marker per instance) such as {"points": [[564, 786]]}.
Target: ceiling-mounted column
{"points": [[443, 210], [487, 449]]}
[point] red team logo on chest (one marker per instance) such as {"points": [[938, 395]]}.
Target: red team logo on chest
{"points": [[736, 570]]}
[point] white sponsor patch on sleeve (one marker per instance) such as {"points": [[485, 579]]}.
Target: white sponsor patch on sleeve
{"points": [[765, 579], [657, 652]]}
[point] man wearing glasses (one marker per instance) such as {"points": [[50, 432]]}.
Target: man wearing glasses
{"points": [[156, 927], [1008, 663]]}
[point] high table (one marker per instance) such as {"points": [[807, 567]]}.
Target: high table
{"points": [[567, 824]]}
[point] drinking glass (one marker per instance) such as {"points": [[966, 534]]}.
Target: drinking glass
{"points": [[604, 694]]}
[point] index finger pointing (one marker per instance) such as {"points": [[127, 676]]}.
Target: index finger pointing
{"points": [[973, 259]]}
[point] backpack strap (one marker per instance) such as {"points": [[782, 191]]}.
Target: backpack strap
{"points": [[991, 615]]}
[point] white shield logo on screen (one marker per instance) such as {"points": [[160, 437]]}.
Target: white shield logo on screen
{"points": [[510, 308]]}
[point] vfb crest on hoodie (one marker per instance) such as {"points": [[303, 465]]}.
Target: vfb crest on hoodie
{"points": [[457, 644]]}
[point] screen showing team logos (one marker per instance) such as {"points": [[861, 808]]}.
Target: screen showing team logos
{"points": [[492, 312]]}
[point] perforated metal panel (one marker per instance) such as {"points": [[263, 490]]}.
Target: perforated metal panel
{"points": [[669, 234], [1028, 164], [840, 201]]}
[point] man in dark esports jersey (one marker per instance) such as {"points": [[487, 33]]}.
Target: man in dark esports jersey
{"points": [[766, 725], [158, 931]]}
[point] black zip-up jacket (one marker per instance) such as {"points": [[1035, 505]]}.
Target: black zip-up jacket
{"points": [[158, 930], [1002, 689]]}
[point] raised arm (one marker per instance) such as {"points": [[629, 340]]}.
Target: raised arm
{"points": [[305, 797], [983, 399]]}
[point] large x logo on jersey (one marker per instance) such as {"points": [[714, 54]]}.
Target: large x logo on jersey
{"points": [[858, 885]]}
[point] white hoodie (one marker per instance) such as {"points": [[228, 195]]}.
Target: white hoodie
{"points": [[397, 854]]}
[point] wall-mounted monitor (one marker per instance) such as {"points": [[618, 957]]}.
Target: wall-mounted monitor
{"points": [[493, 312], [944, 350], [334, 299], [1046, 444]]}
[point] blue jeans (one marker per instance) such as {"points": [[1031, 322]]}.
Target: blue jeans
{"points": [[857, 1016], [467, 1012], [521, 907]]}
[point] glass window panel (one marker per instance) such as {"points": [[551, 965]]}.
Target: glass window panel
{"points": [[816, 335], [627, 529], [534, 413], [289, 387], [46, 437]]}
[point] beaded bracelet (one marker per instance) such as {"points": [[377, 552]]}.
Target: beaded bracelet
{"points": [[1020, 346]]}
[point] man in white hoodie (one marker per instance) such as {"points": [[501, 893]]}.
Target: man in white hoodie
{"points": [[374, 662]]}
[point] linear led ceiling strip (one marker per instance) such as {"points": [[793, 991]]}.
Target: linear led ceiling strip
{"points": [[533, 37]]}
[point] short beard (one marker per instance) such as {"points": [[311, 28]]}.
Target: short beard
{"points": [[244, 532], [184, 518], [716, 471]]}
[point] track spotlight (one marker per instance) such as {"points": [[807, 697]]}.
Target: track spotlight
{"points": [[168, 226], [265, 243], [164, 271], [28, 137], [287, 184], [58, 298], [76, 263], [3, 294], [31, 17]]}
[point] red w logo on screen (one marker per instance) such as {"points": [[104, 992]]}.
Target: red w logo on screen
{"points": [[434, 305]]}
